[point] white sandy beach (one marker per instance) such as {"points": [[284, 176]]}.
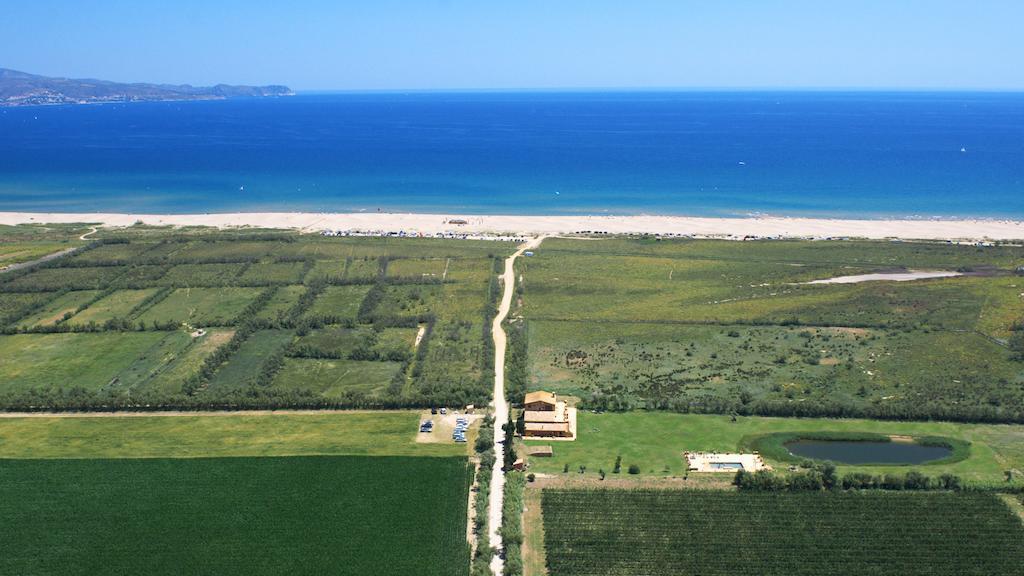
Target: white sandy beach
{"points": [[967, 229]]}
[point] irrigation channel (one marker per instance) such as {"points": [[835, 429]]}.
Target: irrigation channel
{"points": [[501, 404]]}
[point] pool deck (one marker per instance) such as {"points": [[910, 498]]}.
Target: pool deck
{"points": [[727, 462]]}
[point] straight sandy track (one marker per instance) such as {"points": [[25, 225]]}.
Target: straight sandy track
{"points": [[501, 404]]}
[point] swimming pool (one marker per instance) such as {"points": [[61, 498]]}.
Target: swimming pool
{"points": [[725, 465]]}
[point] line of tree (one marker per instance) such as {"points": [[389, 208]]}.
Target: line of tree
{"points": [[810, 409], [823, 476], [512, 523], [484, 448]]}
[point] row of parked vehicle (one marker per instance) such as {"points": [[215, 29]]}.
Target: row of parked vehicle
{"points": [[461, 425]]}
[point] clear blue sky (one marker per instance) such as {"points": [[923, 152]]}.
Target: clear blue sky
{"points": [[491, 44]]}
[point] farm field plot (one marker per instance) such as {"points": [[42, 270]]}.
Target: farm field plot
{"points": [[185, 363], [247, 362], [655, 532], [747, 368], [432, 268], [55, 310], [201, 275], [212, 251], [140, 276], [408, 300], [338, 515], [28, 251], [340, 302], [362, 269], [67, 360], [116, 305], [336, 379], [655, 442], [201, 306], [363, 343], [390, 433], [327, 269], [109, 254], [281, 302], [53, 279], [276, 273], [13, 305]]}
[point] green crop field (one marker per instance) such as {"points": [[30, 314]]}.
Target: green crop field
{"points": [[720, 327], [668, 532], [656, 441], [338, 515]]}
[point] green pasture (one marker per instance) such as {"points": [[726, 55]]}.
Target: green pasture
{"points": [[386, 433]]}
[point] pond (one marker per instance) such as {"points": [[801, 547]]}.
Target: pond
{"points": [[850, 452]]}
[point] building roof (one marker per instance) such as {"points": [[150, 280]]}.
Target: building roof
{"points": [[540, 396], [547, 427]]}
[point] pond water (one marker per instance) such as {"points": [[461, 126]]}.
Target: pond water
{"points": [[847, 452]]}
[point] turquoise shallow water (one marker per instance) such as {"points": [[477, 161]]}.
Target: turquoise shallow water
{"points": [[699, 153]]}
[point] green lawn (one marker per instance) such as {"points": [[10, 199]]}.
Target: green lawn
{"points": [[390, 433], [655, 441], [671, 532]]}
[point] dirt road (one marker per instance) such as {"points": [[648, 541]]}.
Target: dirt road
{"points": [[500, 404]]}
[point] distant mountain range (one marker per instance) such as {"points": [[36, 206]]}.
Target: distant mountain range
{"points": [[22, 89]]}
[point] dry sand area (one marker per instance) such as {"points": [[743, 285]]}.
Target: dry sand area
{"points": [[932, 229]]}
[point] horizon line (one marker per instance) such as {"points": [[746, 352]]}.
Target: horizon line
{"points": [[665, 89]]}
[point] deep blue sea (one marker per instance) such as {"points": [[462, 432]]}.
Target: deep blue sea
{"points": [[697, 153]]}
